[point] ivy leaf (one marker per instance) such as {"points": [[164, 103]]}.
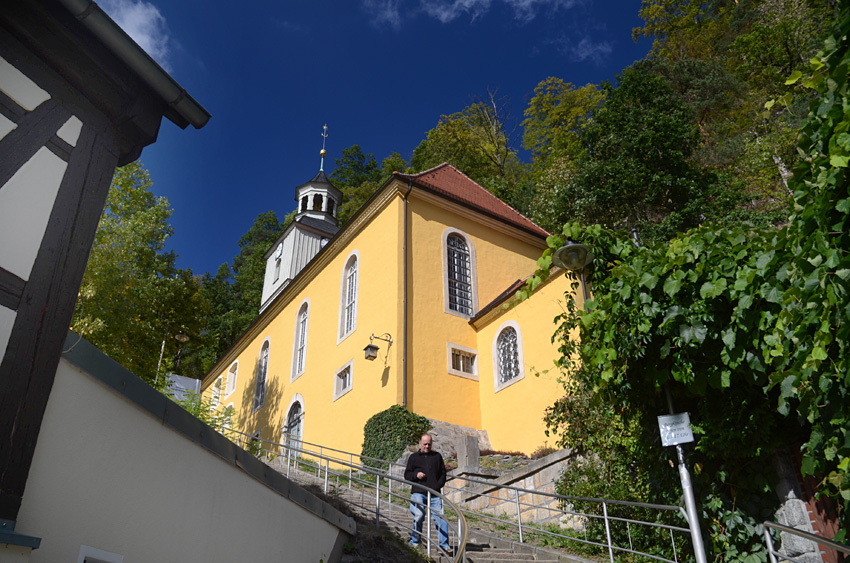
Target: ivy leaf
{"points": [[795, 76], [839, 161], [672, 286]]}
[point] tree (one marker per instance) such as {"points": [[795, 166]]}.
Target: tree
{"points": [[358, 177], [636, 172], [476, 141], [132, 296], [555, 118]]}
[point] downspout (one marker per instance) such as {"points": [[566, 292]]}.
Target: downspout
{"points": [[404, 328]]}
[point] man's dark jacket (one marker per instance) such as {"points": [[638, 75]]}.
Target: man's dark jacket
{"points": [[431, 464]]}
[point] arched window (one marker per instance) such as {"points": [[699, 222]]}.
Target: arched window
{"points": [[459, 278], [230, 386], [317, 202], [299, 352], [507, 356], [262, 375], [304, 203], [348, 297], [293, 429], [215, 399]]}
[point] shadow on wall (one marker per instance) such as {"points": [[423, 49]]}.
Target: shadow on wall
{"points": [[251, 420]]}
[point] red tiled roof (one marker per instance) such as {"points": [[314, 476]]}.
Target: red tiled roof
{"points": [[448, 181]]}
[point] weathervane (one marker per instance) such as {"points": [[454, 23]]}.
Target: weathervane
{"points": [[323, 152]]}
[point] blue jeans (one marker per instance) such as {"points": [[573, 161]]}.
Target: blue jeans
{"points": [[417, 508]]}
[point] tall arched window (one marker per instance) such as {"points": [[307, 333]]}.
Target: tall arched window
{"points": [[507, 356], [262, 376], [459, 279], [299, 352], [293, 429], [348, 297], [230, 386]]}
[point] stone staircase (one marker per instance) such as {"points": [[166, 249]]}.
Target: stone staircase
{"points": [[481, 547]]}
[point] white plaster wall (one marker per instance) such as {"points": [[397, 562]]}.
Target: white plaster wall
{"points": [[21, 89], [108, 475], [26, 201]]}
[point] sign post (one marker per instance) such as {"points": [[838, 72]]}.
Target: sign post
{"points": [[676, 430]]}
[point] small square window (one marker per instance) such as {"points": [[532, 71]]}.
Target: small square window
{"points": [[342, 381], [462, 361]]}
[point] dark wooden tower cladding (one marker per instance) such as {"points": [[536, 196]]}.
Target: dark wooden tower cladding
{"points": [[103, 79]]}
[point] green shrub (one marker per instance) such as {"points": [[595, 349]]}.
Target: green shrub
{"points": [[389, 432]]}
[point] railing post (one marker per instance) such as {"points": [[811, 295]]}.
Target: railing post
{"points": [[428, 522], [288, 461], [377, 499], [608, 532], [389, 497], [518, 515], [768, 540], [319, 469], [350, 465], [327, 469]]}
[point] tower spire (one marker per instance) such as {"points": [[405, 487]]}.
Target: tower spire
{"points": [[323, 152]]}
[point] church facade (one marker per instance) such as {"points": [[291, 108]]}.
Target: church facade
{"points": [[422, 280]]}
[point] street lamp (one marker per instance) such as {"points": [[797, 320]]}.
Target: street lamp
{"points": [[371, 349], [574, 257]]}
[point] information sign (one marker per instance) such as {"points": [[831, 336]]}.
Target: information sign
{"points": [[675, 429]]}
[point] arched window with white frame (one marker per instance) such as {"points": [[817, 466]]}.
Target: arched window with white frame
{"points": [[293, 429], [262, 376], [508, 366], [299, 351], [460, 281], [348, 296], [230, 386]]}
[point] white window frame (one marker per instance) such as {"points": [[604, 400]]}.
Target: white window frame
{"points": [[473, 273], [265, 346], [450, 348], [339, 392], [497, 385], [230, 386], [215, 397], [345, 328], [227, 423], [93, 555], [296, 398], [297, 343]]}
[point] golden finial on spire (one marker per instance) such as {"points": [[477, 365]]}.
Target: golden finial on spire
{"points": [[323, 152]]}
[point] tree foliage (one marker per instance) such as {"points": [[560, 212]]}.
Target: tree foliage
{"points": [[746, 327], [132, 295], [387, 433]]}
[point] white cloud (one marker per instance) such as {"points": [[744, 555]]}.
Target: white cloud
{"points": [[383, 12], [145, 24], [445, 11], [587, 49]]}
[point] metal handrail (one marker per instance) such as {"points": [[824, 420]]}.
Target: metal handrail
{"points": [[771, 551], [522, 528], [462, 529]]}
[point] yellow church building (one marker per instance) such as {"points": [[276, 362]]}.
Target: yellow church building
{"points": [[421, 279]]}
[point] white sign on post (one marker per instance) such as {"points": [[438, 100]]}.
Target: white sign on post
{"points": [[675, 429]]}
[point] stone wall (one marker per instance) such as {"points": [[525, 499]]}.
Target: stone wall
{"points": [[539, 475]]}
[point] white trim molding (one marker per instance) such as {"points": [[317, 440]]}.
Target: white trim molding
{"points": [[338, 390], [258, 404], [451, 348], [231, 374], [297, 340], [346, 328], [473, 273], [497, 385]]}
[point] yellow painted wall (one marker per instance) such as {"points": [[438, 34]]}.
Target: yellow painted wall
{"points": [[513, 416], [375, 385], [500, 259]]}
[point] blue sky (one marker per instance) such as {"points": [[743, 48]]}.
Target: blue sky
{"points": [[379, 73]]}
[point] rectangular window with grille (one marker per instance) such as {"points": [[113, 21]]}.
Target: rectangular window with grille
{"points": [[342, 381], [462, 361]]}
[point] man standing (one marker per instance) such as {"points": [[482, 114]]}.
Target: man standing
{"points": [[427, 468]]}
